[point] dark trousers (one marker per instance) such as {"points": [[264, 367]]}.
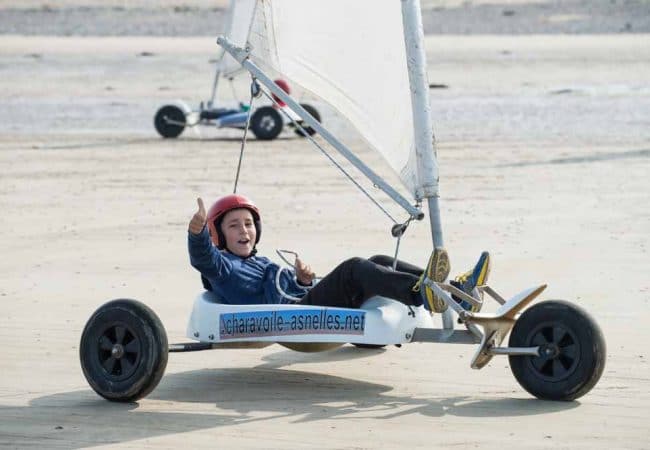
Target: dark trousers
{"points": [[357, 279]]}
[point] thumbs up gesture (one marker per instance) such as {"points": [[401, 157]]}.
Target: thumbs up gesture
{"points": [[198, 220]]}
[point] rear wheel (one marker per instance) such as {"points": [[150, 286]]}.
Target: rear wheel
{"points": [[123, 350], [266, 123], [170, 121], [309, 130], [572, 351]]}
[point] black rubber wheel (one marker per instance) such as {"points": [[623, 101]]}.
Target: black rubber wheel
{"points": [[572, 351], [368, 346], [123, 350], [169, 113], [315, 114], [266, 123]]}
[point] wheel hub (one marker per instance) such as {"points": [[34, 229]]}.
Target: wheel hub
{"points": [[559, 351], [549, 351], [267, 123], [117, 351]]}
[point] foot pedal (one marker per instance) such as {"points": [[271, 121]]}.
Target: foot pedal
{"points": [[496, 326]]}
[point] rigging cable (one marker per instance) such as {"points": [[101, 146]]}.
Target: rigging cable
{"points": [[398, 229], [332, 160], [255, 92]]}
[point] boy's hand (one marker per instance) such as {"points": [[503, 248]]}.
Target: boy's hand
{"points": [[198, 220], [304, 273]]}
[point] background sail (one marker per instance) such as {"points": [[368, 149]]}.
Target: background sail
{"points": [[238, 22], [351, 54]]}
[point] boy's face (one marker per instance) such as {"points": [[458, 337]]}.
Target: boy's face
{"points": [[240, 232]]}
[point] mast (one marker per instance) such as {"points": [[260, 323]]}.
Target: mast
{"points": [[215, 83], [427, 165], [425, 152]]}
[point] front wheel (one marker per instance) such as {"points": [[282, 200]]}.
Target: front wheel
{"points": [[123, 350], [309, 130], [571, 351], [170, 121], [266, 123]]}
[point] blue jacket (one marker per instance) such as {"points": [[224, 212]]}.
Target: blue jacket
{"points": [[237, 280]]}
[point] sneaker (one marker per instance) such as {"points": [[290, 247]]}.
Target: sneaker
{"points": [[472, 278], [437, 270]]}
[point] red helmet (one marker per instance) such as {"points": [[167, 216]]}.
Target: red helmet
{"points": [[221, 207], [285, 87]]}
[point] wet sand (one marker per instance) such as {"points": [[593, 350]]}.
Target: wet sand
{"points": [[207, 17], [545, 154]]}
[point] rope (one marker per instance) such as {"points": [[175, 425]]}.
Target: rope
{"points": [[398, 231], [399, 239], [255, 89]]}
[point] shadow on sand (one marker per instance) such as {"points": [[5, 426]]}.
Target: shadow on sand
{"points": [[212, 398]]}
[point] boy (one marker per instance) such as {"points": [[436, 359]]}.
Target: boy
{"points": [[225, 253]]}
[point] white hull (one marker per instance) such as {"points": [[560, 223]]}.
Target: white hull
{"points": [[380, 321]]}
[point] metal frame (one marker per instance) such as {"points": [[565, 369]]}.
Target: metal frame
{"points": [[496, 326]]}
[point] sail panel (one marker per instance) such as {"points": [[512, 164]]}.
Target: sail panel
{"points": [[350, 54], [239, 17]]}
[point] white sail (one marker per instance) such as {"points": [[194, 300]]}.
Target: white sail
{"points": [[351, 54]]}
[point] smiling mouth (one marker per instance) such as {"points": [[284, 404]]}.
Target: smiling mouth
{"points": [[244, 242]]}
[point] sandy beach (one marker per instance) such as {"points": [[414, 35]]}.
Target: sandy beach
{"points": [[544, 153]]}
